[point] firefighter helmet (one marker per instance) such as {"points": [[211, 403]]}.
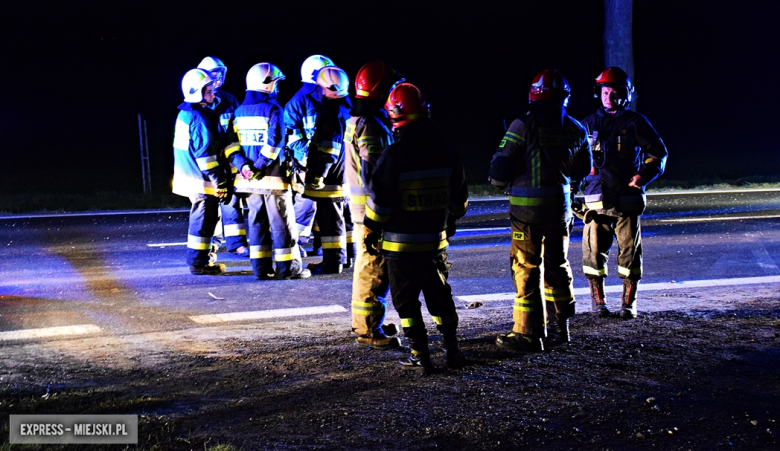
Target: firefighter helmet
{"points": [[615, 77], [193, 83], [263, 77], [376, 79], [550, 85], [334, 81], [217, 69], [406, 104], [312, 65]]}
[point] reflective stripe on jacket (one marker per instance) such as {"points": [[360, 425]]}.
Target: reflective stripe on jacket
{"points": [[328, 160]]}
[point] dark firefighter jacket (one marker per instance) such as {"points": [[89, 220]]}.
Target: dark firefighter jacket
{"points": [[326, 155], [417, 184], [624, 144], [537, 159], [195, 146], [259, 138]]}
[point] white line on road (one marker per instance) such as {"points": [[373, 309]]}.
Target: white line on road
{"points": [[686, 284], [94, 213], [720, 218], [166, 244], [265, 314], [82, 329]]}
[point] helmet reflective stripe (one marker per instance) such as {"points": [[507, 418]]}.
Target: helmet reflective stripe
{"points": [[217, 69], [312, 65], [334, 79], [263, 77], [193, 83]]}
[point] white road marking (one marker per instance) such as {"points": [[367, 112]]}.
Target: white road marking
{"points": [[684, 285], [82, 329], [720, 218], [166, 244], [661, 193], [94, 213], [265, 314]]}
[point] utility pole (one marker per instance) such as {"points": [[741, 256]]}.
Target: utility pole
{"points": [[618, 37], [146, 172]]}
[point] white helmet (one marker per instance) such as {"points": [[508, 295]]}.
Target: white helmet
{"points": [[334, 80], [193, 83], [216, 67], [312, 65], [263, 77]]}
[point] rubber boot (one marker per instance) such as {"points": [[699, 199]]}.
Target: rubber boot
{"points": [[628, 304], [598, 301], [378, 340], [453, 356], [520, 342], [558, 332]]}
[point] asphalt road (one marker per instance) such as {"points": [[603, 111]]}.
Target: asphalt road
{"points": [[126, 273]]}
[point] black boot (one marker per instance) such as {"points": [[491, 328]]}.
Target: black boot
{"points": [[558, 332], [453, 356], [598, 301], [628, 304]]}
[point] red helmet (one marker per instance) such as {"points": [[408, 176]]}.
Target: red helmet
{"points": [[375, 80], [615, 77], [406, 104], [550, 85]]}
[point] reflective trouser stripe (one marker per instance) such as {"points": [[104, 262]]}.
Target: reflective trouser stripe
{"points": [[449, 319], [198, 243], [367, 308], [410, 322], [234, 229], [623, 271], [595, 272], [284, 255], [334, 242], [558, 295], [527, 305], [262, 251], [349, 237], [370, 285]]}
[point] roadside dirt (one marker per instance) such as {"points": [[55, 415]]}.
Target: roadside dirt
{"points": [[704, 377]]}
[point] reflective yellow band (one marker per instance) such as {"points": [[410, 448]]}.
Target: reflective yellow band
{"points": [[324, 194], [234, 229], [536, 201], [526, 305], [367, 308], [594, 271], [595, 205], [263, 251], [198, 243], [334, 242], [449, 319], [372, 215], [558, 295], [409, 322], [360, 92], [232, 149], [623, 271], [357, 200], [207, 163], [413, 247]]}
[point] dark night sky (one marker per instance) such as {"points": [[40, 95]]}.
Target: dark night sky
{"points": [[78, 73]]}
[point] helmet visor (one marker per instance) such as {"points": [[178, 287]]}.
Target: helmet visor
{"points": [[218, 73]]}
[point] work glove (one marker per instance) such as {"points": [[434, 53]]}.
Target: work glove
{"points": [[371, 240], [223, 191], [317, 183], [578, 207], [451, 228]]}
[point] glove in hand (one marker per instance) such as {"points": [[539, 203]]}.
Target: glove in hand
{"points": [[371, 240], [317, 183], [248, 172]]}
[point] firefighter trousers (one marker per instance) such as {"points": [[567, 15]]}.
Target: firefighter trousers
{"points": [[305, 209], [330, 222], [233, 224], [536, 247], [370, 284], [204, 216], [273, 234], [597, 238], [427, 274], [349, 228]]}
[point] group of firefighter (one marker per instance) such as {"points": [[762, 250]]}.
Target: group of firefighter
{"points": [[372, 176]]}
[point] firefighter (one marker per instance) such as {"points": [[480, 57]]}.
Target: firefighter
{"points": [[325, 181], [537, 159], [197, 173], [417, 191], [258, 149], [224, 107], [300, 114], [368, 133], [628, 154]]}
